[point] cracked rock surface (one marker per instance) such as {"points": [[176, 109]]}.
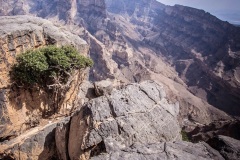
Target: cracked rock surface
{"points": [[136, 122], [167, 150], [137, 113]]}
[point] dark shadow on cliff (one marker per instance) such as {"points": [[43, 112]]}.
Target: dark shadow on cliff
{"points": [[217, 92], [226, 128], [49, 152]]}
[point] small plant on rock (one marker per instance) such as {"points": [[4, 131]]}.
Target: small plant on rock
{"points": [[185, 136], [48, 65], [50, 68]]}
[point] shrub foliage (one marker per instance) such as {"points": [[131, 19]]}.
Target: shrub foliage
{"points": [[48, 65], [185, 136]]}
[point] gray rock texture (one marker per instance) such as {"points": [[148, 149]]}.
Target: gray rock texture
{"points": [[135, 122], [103, 87], [87, 92], [160, 151], [137, 113], [228, 147]]}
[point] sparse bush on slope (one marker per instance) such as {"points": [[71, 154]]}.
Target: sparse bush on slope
{"points": [[48, 65], [52, 69]]}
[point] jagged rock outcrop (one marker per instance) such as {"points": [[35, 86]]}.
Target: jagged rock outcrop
{"points": [[135, 122], [228, 147], [137, 113], [22, 109], [103, 87]]}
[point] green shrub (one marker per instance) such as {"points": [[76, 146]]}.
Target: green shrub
{"points": [[48, 65], [184, 136]]}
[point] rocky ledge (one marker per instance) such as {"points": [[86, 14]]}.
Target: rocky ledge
{"points": [[135, 122]]}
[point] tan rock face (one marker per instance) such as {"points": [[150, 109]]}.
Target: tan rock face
{"points": [[22, 109], [19, 34]]}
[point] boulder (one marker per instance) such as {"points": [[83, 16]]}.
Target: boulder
{"points": [[137, 113], [86, 92], [103, 87], [227, 146]]}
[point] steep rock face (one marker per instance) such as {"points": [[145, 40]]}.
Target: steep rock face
{"points": [[104, 67], [22, 109], [61, 139], [228, 147], [131, 26]]}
